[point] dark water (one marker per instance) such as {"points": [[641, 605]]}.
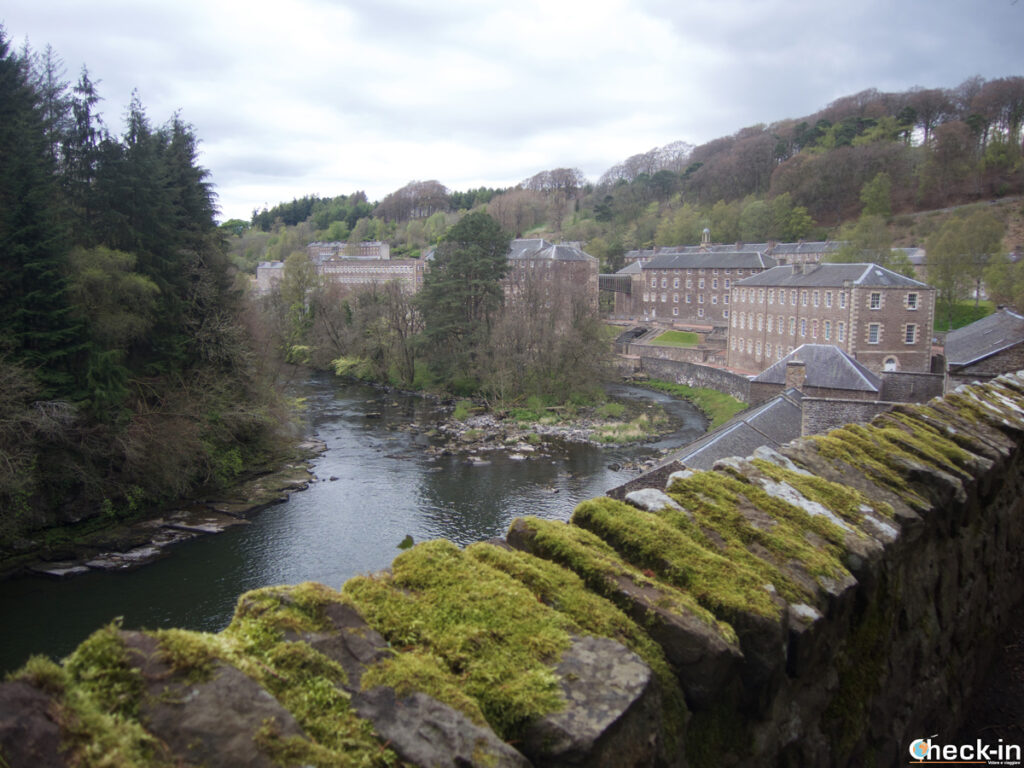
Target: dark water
{"points": [[384, 488]]}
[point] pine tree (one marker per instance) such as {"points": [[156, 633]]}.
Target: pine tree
{"points": [[36, 327]]}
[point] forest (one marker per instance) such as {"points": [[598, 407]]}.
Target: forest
{"points": [[803, 177], [128, 375]]}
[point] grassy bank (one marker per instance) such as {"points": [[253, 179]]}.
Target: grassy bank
{"points": [[717, 406], [677, 339]]}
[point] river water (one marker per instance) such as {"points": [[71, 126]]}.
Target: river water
{"points": [[375, 485]]}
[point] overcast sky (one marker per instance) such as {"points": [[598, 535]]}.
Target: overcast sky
{"points": [[328, 97]]}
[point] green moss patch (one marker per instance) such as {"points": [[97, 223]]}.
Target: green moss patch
{"points": [[487, 628], [847, 503], [591, 614], [601, 568], [720, 583], [306, 682]]}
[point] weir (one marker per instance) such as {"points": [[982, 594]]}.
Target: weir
{"points": [[828, 604]]}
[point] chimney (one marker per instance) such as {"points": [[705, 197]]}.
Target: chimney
{"points": [[796, 372], [798, 269]]}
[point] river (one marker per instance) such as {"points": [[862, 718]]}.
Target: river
{"points": [[375, 485]]}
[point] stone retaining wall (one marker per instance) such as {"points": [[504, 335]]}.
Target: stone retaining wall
{"points": [[824, 605], [694, 374]]}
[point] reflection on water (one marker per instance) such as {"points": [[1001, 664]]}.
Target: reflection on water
{"points": [[375, 485]]}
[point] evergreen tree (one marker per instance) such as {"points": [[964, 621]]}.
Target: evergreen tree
{"points": [[35, 323], [462, 291]]}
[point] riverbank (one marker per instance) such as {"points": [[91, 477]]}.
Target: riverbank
{"points": [[118, 545]]}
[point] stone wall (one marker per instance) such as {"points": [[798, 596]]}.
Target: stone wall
{"points": [[911, 386], [1011, 359], [823, 414], [824, 605], [694, 374]]}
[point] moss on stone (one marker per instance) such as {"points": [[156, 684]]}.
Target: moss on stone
{"points": [[191, 654], [487, 628], [719, 582], [847, 503], [853, 444], [100, 705], [591, 614], [304, 681], [723, 505], [601, 568]]}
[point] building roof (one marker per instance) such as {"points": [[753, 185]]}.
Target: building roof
{"points": [[711, 260], [827, 367], [984, 338], [772, 423], [814, 246], [831, 275], [633, 268], [536, 248]]}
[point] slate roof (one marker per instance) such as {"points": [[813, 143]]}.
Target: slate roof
{"points": [[542, 249], [711, 260], [831, 275], [630, 269], [984, 338], [827, 367], [814, 246], [772, 423]]}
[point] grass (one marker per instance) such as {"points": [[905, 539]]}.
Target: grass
{"points": [[719, 407], [964, 313], [677, 339]]}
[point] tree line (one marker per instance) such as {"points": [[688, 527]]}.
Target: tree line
{"points": [[129, 377], [469, 332]]}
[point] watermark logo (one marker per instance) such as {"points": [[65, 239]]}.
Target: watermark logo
{"points": [[919, 747], [927, 751]]}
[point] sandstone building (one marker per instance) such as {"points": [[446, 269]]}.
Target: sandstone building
{"points": [[881, 318]]}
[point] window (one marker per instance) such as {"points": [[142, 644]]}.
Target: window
{"points": [[815, 299], [725, 298], [891, 364], [675, 311], [734, 321], [760, 296], [725, 312], [875, 300], [750, 347], [792, 326], [874, 333], [714, 283], [664, 282], [700, 283], [647, 297], [727, 282], [814, 328], [841, 331], [675, 298], [757, 349], [654, 280], [803, 298], [700, 312], [803, 326], [771, 295], [828, 330], [743, 295], [768, 349], [700, 298], [828, 299], [842, 299], [732, 343], [912, 301], [664, 298], [769, 324], [910, 335], [689, 298], [689, 283], [714, 298], [760, 322], [675, 282], [792, 297]]}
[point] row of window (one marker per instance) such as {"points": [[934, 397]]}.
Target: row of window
{"points": [[701, 283], [746, 321], [687, 298], [875, 299]]}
